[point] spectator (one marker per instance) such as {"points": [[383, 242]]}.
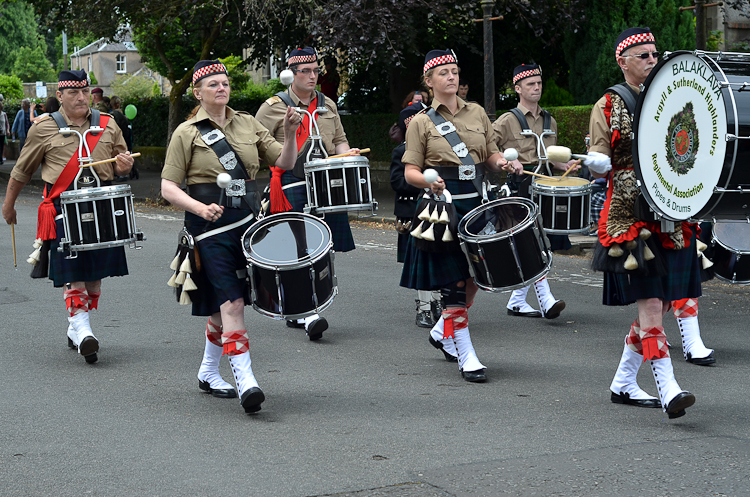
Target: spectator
{"points": [[22, 122], [50, 105], [598, 191], [4, 130], [413, 98], [97, 100], [329, 81], [122, 121], [463, 89]]}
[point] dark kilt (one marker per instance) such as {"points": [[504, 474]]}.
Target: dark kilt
{"points": [[401, 244], [432, 271], [222, 262], [90, 265], [343, 240], [683, 280]]}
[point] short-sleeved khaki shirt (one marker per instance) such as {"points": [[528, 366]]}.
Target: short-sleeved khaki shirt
{"points": [[426, 147], [508, 132], [190, 159], [271, 115], [48, 148], [601, 133]]}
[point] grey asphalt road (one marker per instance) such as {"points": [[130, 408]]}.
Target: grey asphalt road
{"points": [[371, 409]]}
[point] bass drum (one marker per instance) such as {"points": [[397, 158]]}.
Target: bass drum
{"points": [[290, 265], [691, 131], [731, 252]]}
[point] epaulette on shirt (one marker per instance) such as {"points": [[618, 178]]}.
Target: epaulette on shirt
{"points": [[273, 100], [42, 119]]}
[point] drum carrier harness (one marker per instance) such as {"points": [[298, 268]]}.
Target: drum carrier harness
{"points": [[541, 150], [314, 148]]}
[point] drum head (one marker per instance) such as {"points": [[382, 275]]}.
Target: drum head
{"points": [[497, 219], [680, 128], [285, 239], [562, 182], [349, 161], [733, 236]]}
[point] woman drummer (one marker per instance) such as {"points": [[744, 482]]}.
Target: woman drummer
{"points": [[218, 218], [428, 148]]}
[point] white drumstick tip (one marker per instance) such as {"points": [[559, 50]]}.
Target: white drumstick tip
{"points": [[223, 180], [510, 154], [430, 175], [556, 153], [286, 77]]}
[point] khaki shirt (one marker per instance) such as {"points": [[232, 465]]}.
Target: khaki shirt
{"points": [[51, 150], [601, 133], [190, 159], [508, 131], [271, 115], [426, 147]]}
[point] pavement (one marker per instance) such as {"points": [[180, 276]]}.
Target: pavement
{"points": [[147, 189]]}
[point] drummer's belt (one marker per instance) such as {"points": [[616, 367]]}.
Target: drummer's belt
{"points": [[234, 197], [463, 173]]}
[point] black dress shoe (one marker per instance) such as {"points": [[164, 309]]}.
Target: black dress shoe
{"points": [[316, 329], [91, 358], [436, 307], [292, 323], [71, 344], [676, 408], [555, 310], [424, 319], [89, 345], [624, 398], [252, 399], [516, 311], [477, 376], [221, 393], [439, 346], [702, 361]]}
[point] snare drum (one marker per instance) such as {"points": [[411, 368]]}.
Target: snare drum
{"points": [[731, 252], [564, 204], [691, 131], [97, 218], [504, 242], [339, 185], [290, 265]]}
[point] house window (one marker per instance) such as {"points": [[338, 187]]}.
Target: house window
{"points": [[121, 65]]}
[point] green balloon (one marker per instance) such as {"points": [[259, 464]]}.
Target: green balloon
{"points": [[131, 111]]}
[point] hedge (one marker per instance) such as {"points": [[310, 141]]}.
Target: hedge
{"points": [[572, 125]]}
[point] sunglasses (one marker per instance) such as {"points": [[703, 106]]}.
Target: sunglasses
{"points": [[307, 72], [645, 55]]}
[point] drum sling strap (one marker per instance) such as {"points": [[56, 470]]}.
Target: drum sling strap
{"points": [[626, 93], [546, 120], [469, 170], [236, 192]]}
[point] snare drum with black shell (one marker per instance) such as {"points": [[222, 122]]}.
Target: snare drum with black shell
{"points": [[341, 184], [731, 252], [564, 204]]}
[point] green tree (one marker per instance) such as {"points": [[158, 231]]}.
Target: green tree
{"points": [[32, 64], [129, 86], [11, 86], [590, 52], [18, 28]]}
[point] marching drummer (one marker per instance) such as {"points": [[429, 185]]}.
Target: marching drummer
{"points": [[527, 81], [288, 191], [642, 263], [215, 140], [57, 155], [427, 148]]}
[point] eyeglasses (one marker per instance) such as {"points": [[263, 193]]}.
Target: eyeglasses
{"points": [[645, 55], [307, 72]]}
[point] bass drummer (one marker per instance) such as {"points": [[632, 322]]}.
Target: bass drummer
{"points": [[288, 191], [214, 140], [57, 154], [629, 279], [527, 82]]}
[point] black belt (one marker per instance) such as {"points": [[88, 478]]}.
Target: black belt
{"points": [[451, 172], [210, 193]]}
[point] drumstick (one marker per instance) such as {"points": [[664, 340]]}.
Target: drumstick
{"points": [[363, 151], [13, 236], [537, 175], [565, 173], [113, 159]]}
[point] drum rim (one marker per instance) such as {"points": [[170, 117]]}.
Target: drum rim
{"points": [[275, 315], [531, 217], [705, 210], [323, 163], [326, 248], [582, 189], [101, 191], [716, 239]]}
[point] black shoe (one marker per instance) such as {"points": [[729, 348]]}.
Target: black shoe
{"points": [[222, 393], [555, 310], [677, 407], [292, 323], [424, 319], [477, 376], [316, 329], [624, 398], [436, 307], [71, 344], [91, 358], [702, 361], [439, 346], [516, 311], [89, 345], [252, 399]]}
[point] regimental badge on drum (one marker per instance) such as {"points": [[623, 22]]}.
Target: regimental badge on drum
{"points": [[682, 140]]}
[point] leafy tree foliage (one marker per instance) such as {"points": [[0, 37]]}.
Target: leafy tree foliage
{"points": [[32, 64], [11, 87], [129, 86]]}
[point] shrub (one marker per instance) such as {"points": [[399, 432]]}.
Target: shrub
{"points": [[127, 86], [11, 87]]}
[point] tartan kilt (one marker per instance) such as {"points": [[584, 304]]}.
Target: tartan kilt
{"points": [[432, 271], [343, 240], [223, 265], [90, 265], [683, 280], [401, 244]]}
